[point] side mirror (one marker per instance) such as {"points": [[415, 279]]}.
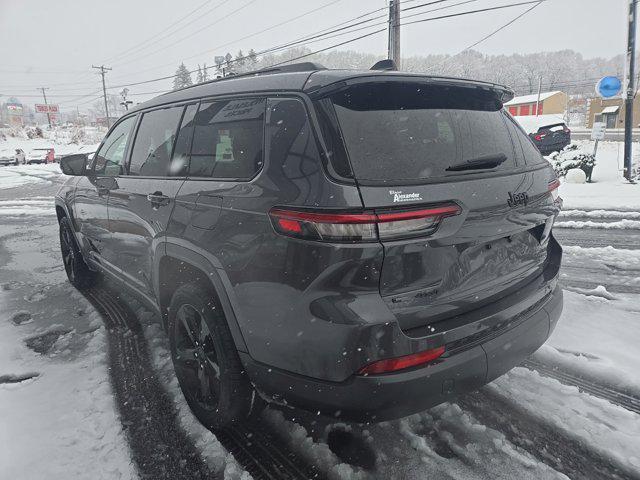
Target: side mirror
{"points": [[74, 164]]}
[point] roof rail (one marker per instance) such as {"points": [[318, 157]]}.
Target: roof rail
{"points": [[292, 67]]}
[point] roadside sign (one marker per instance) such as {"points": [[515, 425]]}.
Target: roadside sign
{"points": [[598, 130], [219, 60], [608, 87], [43, 108]]}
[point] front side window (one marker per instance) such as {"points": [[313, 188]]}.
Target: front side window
{"points": [[109, 160], [228, 138], [153, 146]]}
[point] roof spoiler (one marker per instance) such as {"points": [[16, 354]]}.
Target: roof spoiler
{"points": [[386, 64]]}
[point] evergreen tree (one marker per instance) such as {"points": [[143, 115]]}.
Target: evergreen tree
{"points": [[228, 58], [252, 57], [205, 73], [199, 78], [240, 60], [182, 78]]}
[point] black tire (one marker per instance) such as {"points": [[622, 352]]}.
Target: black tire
{"points": [[77, 270], [206, 360]]}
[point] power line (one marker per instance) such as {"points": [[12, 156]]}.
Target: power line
{"points": [[304, 39], [163, 32], [486, 37], [515, 19], [325, 33], [500, 7], [329, 48], [195, 32], [348, 27]]}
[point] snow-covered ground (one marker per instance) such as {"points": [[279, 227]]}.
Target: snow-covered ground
{"points": [[58, 417], [608, 189], [63, 420]]}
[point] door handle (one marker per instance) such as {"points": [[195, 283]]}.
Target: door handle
{"points": [[158, 199]]}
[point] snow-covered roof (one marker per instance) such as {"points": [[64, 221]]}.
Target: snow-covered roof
{"points": [[531, 98], [531, 123]]}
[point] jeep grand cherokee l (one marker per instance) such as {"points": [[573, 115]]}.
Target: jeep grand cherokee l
{"points": [[365, 244]]}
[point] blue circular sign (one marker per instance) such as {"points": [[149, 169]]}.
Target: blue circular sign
{"points": [[608, 87]]}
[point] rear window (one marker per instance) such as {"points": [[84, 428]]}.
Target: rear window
{"points": [[399, 132]]}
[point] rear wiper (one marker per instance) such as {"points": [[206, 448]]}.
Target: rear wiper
{"points": [[486, 161]]}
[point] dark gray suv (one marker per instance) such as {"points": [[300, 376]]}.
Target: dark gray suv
{"points": [[366, 244]]}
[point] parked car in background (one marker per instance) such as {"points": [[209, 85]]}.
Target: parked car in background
{"points": [[549, 133], [10, 156], [41, 155]]}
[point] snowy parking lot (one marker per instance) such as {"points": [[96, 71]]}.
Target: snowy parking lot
{"points": [[69, 407]]}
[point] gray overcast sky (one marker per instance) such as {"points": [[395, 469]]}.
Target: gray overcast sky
{"points": [[54, 43]]}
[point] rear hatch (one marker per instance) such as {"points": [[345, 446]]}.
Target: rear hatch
{"points": [[414, 146]]}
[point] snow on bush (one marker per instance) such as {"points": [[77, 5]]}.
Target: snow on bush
{"points": [[575, 175], [571, 157]]}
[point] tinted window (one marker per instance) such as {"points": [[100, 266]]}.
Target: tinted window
{"points": [[412, 131], [292, 147], [110, 159], [153, 145], [180, 159], [228, 139], [531, 153]]}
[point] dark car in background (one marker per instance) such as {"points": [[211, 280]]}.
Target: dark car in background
{"points": [[363, 244], [551, 138]]}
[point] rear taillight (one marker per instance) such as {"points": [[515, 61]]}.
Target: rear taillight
{"points": [[360, 226], [400, 363], [553, 188], [566, 130], [539, 137]]}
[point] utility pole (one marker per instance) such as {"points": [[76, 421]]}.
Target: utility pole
{"points": [[394, 32], [104, 70], [628, 104], [539, 92], [43, 89]]}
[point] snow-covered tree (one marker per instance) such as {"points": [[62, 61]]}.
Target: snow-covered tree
{"points": [[199, 78], [182, 78], [252, 57]]}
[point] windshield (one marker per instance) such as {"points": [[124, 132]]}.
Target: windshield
{"points": [[399, 131]]}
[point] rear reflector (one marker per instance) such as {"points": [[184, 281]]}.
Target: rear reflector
{"points": [[553, 188], [360, 227], [400, 363]]}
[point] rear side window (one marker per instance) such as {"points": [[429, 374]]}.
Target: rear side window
{"points": [[292, 147], [402, 131], [228, 139], [153, 146], [110, 158]]}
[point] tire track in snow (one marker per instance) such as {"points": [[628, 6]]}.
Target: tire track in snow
{"points": [[147, 408], [159, 447], [607, 392], [541, 440]]}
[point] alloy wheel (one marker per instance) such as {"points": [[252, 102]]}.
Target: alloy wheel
{"points": [[196, 358], [68, 253]]}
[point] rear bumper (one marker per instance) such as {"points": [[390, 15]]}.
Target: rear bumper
{"points": [[383, 397]]}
